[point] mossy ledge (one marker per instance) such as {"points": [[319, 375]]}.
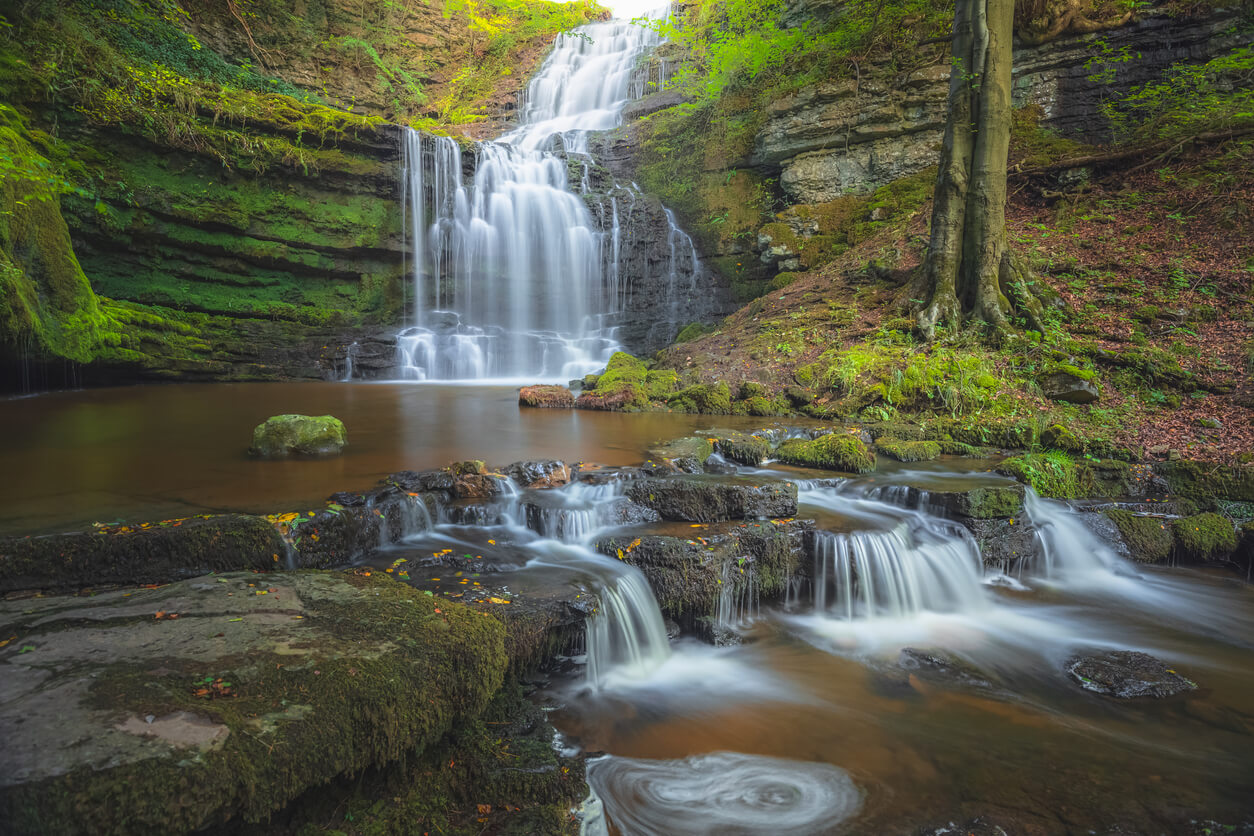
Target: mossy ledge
{"points": [[264, 693]]}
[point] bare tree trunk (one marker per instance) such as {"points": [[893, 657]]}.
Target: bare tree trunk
{"points": [[964, 269]]}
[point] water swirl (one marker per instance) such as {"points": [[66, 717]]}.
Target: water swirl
{"points": [[725, 793]]}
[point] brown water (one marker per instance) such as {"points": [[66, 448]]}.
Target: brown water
{"points": [[146, 452]]}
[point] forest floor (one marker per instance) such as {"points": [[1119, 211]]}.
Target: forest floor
{"points": [[1151, 265]]}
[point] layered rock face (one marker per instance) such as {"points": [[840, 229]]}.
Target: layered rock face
{"points": [[856, 135]]}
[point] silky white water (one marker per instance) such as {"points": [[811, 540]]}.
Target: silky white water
{"points": [[512, 278]]}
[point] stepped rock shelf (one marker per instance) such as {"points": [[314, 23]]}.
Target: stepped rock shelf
{"points": [[237, 661]]}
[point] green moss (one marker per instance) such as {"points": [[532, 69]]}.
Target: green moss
{"points": [[834, 451], [1049, 474], [1205, 536], [704, 398], [749, 389], [743, 448], [690, 332], [766, 407], [660, 383], [301, 435], [908, 451], [1149, 539], [782, 280], [622, 387], [362, 712], [699, 449], [1206, 481], [1058, 437]]}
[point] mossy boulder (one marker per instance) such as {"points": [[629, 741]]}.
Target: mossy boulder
{"points": [[703, 398], [1205, 537], [660, 383], [621, 388], [226, 697], [742, 448], [1149, 539], [908, 451], [550, 397], [834, 451], [298, 435]]}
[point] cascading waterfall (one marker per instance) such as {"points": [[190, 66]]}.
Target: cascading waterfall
{"points": [[897, 573], [1069, 551], [509, 272]]}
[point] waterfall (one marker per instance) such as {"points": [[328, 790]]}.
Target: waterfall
{"points": [[626, 634], [1068, 550], [509, 272], [897, 573]]}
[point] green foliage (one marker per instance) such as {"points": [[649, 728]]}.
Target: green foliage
{"points": [[1188, 99], [1053, 474], [690, 332]]}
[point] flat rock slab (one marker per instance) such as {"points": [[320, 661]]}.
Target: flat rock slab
{"points": [[180, 707], [155, 552], [1127, 674], [702, 500]]}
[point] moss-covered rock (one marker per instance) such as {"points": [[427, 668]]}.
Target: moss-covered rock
{"points": [[908, 451], [1049, 474], [660, 383], [834, 451], [983, 503], [1205, 537], [298, 435], [703, 398], [1058, 437], [621, 388], [157, 552], [550, 397], [1149, 539], [1205, 481], [225, 697], [742, 448], [692, 447]]}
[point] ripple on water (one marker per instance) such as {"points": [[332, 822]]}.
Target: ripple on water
{"points": [[723, 793]]}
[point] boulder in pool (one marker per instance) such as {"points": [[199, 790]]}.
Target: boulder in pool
{"points": [[549, 397], [298, 435], [1126, 674]]}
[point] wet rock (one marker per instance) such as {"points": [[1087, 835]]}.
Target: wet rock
{"points": [[538, 474], [742, 448], [298, 435], [256, 693], [982, 503], [699, 499], [1003, 541], [471, 480], [1147, 539], [941, 667], [1126, 674], [156, 552], [697, 449], [420, 481], [1206, 481], [1064, 386], [550, 397], [689, 574]]}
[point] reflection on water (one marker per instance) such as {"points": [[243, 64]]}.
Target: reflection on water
{"points": [[143, 452]]}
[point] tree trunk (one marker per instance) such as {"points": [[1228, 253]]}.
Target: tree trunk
{"points": [[967, 262]]}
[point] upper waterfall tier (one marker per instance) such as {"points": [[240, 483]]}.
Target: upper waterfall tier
{"points": [[512, 276]]}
